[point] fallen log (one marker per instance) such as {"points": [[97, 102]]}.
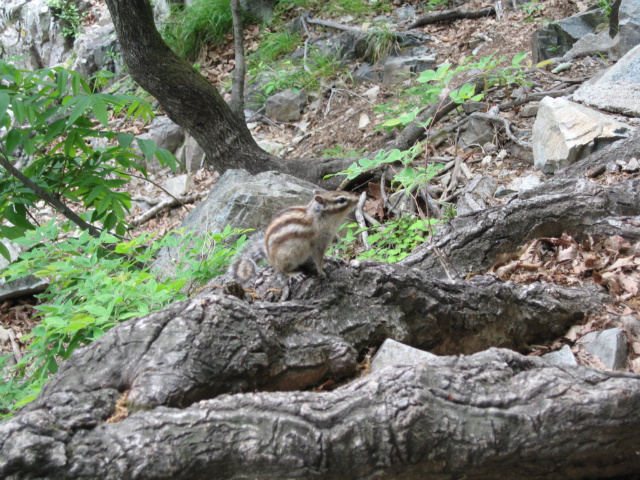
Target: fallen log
{"points": [[470, 417]]}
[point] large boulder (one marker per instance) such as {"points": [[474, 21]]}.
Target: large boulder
{"points": [[617, 89], [565, 132]]}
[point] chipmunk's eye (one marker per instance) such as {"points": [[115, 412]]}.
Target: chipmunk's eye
{"points": [[341, 200]]}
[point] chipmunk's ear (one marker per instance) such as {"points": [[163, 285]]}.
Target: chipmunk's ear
{"points": [[318, 198]]}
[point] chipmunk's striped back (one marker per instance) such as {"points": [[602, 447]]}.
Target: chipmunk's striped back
{"points": [[298, 234]]}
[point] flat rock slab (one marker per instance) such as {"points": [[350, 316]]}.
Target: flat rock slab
{"points": [[618, 90]]}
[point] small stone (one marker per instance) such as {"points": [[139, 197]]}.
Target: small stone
{"points": [[612, 167], [372, 93], [395, 353], [4, 335], [608, 345], [364, 121], [180, 185], [632, 167], [564, 356], [502, 154], [489, 148], [530, 110], [486, 160]]}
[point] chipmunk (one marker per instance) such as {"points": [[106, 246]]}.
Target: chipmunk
{"points": [[296, 235]]}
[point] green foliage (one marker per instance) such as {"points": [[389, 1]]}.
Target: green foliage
{"points": [[357, 8], [95, 283], [434, 82], [381, 41], [69, 15], [436, 4], [274, 46], [191, 27], [392, 241], [605, 5], [532, 9], [341, 151], [408, 177], [291, 73], [53, 116]]}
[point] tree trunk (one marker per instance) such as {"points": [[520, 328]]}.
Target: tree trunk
{"points": [[194, 104], [237, 94], [187, 97]]}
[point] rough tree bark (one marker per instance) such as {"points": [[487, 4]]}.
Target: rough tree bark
{"points": [[188, 365], [193, 103]]}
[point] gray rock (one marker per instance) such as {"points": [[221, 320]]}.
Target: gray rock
{"points": [[628, 25], [564, 356], [286, 106], [632, 166], [347, 47], [22, 287], [476, 132], [471, 107], [618, 89], [610, 346], [475, 194], [556, 39], [180, 185], [612, 167], [405, 13], [367, 73], [39, 40], [522, 184], [241, 200], [397, 67], [593, 44], [166, 134], [395, 353], [97, 49], [530, 109], [565, 132], [190, 154]]}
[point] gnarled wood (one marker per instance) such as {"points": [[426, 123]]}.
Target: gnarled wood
{"points": [[468, 417]]}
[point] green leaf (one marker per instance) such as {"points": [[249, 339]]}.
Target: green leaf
{"points": [[518, 58], [167, 158], [13, 139], [147, 147], [4, 251], [4, 104], [125, 139], [63, 77], [81, 105], [100, 111], [17, 214]]}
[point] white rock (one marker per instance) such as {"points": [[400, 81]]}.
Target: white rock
{"points": [[396, 353]]}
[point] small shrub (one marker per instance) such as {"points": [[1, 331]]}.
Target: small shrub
{"points": [[93, 284]]}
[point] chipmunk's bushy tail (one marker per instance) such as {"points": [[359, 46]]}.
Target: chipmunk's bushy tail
{"points": [[245, 266]]}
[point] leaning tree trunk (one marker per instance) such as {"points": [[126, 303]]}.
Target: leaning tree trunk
{"points": [[199, 377], [187, 97], [194, 104]]}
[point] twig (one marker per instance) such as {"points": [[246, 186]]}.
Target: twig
{"points": [[304, 18], [361, 222], [51, 199], [14, 345], [533, 97], [507, 128], [237, 94], [338, 26], [169, 202], [453, 14]]}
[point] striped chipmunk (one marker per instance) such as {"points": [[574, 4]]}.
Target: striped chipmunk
{"points": [[297, 235]]}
